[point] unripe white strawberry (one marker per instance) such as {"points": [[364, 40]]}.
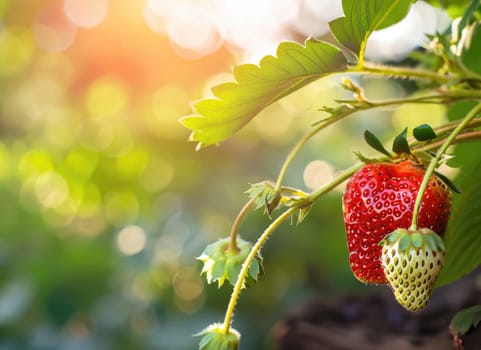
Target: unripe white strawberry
{"points": [[412, 261]]}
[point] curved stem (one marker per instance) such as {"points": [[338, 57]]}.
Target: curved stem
{"points": [[247, 263], [434, 162], [346, 174], [452, 96], [454, 137], [235, 226], [292, 154]]}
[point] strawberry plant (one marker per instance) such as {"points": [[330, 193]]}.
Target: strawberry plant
{"points": [[401, 226]]}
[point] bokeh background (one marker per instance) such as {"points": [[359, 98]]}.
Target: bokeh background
{"points": [[104, 205]]}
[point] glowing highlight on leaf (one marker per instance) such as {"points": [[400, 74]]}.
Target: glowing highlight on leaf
{"points": [[257, 87]]}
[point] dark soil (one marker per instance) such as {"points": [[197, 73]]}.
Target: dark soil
{"points": [[376, 321]]}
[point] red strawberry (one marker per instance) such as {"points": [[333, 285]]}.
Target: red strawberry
{"points": [[379, 199]]}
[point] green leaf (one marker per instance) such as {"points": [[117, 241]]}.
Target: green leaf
{"points": [[364, 159], [400, 144], [458, 110], [303, 212], [465, 319], [256, 269], [362, 17], [456, 8], [265, 196], [424, 132], [233, 270], [468, 15], [221, 264], [472, 49], [257, 87], [374, 142], [463, 235]]}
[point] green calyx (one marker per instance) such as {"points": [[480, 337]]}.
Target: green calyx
{"points": [[215, 338], [220, 263], [423, 238], [400, 145]]}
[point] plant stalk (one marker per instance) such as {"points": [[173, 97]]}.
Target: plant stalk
{"points": [[400, 72], [434, 162], [454, 137], [235, 226], [454, 96], [247, 263]]}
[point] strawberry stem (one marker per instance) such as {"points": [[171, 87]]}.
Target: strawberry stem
{"points": [[235, 226], [434, 162], [240, 283]]}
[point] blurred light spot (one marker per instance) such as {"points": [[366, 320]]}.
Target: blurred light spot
{"points": [[140, 323], [162, 7], [34, 162], [395, 42], [90, 201], [131, 240], [156, 21], [86, 13], [77, 329], [303, 106], [188, 288], [121, 141], [35, 103], [102, 136], [5, 162], [52, 29], [142, 289], [60, 130], [61, 215], [169, 103], [15, 299], [16, 50], [216, 225], [121, 207], [81, 163], [410, 115], [28, 199], [317, 174], [194, 29], [3, 7], [88, 226], [132, 162], [110, 312], [214, 80], [170, 204], [158, 174], [161, 278], [378, 89], [51, 189], [58, 65], [253, 24], [109, 137], [106, 98], [168, 247], [313, 16], [274, 125]]}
